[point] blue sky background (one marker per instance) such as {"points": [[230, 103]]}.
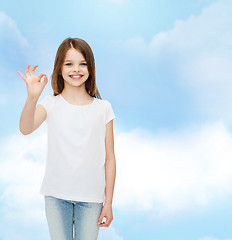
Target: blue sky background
{"points": [[165, 66]]}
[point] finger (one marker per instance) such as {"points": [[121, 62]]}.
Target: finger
{"points": [[27, 70], [105, 224], [33, 69], [45, 81], [41, 75], [101, 219], [21, 75]]}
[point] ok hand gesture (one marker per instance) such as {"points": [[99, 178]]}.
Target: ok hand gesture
{"points": [[34, 86]]}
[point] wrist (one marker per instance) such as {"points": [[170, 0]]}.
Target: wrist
{"points": [[108, 203]]}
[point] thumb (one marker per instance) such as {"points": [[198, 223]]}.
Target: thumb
{"points": [[100, 219]]}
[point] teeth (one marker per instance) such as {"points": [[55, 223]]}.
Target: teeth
{"points": [[76, 76]]}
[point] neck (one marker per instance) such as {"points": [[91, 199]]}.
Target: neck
{"points": [[75, 93]]}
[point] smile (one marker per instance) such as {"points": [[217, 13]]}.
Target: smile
{"points": [[76, 76]]}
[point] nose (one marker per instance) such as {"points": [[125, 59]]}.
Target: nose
{"points": [[76, 68]]}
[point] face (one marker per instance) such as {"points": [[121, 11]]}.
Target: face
{"points": [[74, 69]]}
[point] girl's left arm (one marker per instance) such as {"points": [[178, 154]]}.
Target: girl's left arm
{"points": [[110, 174]]}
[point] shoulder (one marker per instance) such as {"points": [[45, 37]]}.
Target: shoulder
{"points": [[102, 102], [51, 97], [47, 101]]}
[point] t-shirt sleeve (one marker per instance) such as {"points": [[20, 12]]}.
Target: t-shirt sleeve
{"points": [[46, 103], [109, 115]]}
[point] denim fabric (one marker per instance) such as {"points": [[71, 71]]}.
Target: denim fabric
{"points": [[72, 220]]}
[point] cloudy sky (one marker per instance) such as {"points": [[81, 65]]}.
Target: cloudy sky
{"points": [[165, 66]]}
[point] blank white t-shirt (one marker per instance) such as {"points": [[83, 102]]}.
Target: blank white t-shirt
{"points": [[75, 166]]}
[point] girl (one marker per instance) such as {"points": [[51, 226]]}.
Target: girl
{"points": [[80, 168]]}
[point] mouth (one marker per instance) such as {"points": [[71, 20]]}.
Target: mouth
{"points": [[78, 76]]}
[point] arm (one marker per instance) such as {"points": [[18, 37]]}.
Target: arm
{"points": [[26, 122], [110, 175], [110, 166], [31, 117], [34, 88]]}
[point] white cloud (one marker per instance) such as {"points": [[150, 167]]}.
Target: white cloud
{"points": [[15, 49], [196, 53], [173, 172], [161, 174], [9, 30], [22, 166], [109, 233], [14, 46]]}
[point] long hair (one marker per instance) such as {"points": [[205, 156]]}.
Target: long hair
{"points": [[57, 81]]}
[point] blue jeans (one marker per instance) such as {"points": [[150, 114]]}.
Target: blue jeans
{"points": [[72, 220]]}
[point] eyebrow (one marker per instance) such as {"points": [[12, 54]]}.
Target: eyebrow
{"points": [[71, 61]]}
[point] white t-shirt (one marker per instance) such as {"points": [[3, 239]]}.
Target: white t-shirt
{"points": [[75, 166]]}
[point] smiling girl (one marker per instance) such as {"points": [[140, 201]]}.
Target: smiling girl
{"points": [[81, 167]]}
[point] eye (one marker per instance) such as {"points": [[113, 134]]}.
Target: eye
{"points": [[70, 63]]}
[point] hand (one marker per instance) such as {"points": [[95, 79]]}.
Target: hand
{"points": [[108, 214], [34, 86]]}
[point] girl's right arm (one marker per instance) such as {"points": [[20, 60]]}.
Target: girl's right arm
{"points": [[32, 116]]}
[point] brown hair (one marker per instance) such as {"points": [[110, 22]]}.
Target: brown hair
{"points": [[57, 81]]}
